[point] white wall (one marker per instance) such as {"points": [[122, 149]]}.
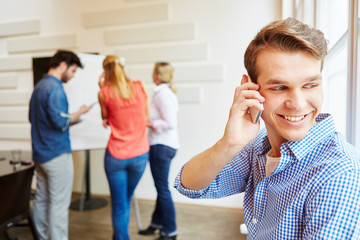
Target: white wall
{"points": [[191, 34]]}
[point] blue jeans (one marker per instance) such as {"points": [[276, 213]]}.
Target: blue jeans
{"points": [[123, 175], [164, 213]]}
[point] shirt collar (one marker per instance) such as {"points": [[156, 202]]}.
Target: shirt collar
{"points": [[161, 86], [322, 129], [52, 77]]}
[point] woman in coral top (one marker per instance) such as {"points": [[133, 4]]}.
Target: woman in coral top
{"points": [[124, 108]]}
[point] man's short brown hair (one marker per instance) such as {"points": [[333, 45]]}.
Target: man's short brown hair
{"points": [[289, 35]]}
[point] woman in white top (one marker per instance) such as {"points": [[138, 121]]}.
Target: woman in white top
{"points": [[164, 142]]}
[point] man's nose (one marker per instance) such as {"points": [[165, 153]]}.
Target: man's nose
{"points": [[295, 100]]}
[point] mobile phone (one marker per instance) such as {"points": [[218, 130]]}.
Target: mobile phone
{"points": [[255, 114]]}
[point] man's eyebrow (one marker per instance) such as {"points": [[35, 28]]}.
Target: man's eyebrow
{"points": [[280, 82], [274, 82], [315, 78]]}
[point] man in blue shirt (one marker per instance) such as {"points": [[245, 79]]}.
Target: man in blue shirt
{"points": [[50, 121], [300, 176]]}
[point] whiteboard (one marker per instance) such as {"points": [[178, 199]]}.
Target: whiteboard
{"points": [[83, 89]]}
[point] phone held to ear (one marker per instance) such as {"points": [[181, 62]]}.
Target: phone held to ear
{"points": [[255, 114]]}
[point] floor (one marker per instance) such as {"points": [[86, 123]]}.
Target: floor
{"points": [[194, 223]]}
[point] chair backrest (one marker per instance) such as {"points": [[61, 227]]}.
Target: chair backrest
{"points": [[15, 195]]}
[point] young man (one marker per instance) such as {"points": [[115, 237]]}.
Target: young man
{"points": [[50, 121], [300, 176]]}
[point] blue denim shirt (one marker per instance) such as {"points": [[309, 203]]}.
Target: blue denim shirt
{"points": [[50, 120]]}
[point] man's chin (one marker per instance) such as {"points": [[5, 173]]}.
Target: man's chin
{"points": [[296, 136]]}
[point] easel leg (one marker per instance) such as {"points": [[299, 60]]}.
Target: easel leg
{"points": [[137, 212], [87, 202]]}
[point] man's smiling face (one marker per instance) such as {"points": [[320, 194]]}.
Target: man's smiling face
{"points": [[292, 86]]}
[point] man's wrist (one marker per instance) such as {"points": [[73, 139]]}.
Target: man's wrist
{"points": [[230, 150]]}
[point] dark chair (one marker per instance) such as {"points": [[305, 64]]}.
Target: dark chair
{"points": [[15, 199]]}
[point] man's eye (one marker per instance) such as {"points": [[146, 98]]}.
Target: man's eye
{"points": [[279, 88], [310, 85]]}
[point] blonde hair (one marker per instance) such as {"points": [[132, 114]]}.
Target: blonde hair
{"points": [[115, 74], [165, 72], [288, 35]]}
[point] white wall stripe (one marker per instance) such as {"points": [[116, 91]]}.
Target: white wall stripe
{"points": [[19, 27], [19, 131], [8, 81], [15, 63], [14, 114], [141, 0], [25, 145], [188, 74], [14, 97], [127, 15], [30, 44], [189, 95], [179, 52], [168, 32]]}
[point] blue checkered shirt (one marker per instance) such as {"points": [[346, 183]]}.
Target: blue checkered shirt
{"points": [[314, 193]]}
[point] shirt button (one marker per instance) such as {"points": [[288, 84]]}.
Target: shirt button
{"points": [[254, 221]]}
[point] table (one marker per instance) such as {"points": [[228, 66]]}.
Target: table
{"points": [[15, 187]]}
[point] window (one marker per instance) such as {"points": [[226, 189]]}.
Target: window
{"points": [[341, 84], [335, 69]]}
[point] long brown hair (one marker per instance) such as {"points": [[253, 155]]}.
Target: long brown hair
{"points": [[115, 75]]}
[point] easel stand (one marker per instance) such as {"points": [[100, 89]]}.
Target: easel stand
{"points": [[87, 202]]}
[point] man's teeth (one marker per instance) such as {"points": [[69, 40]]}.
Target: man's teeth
{"points": [[294, 119]]}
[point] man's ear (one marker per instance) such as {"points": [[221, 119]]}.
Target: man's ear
{"points": [[63, 66]]}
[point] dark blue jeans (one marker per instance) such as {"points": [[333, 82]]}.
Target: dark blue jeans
{"points": [[164, 213], [123, 175]]}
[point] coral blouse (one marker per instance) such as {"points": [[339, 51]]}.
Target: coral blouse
{"points": [[127, 119]]}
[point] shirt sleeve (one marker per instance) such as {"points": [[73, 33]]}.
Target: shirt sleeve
{"points": [[231, 180], [167, 107], [334, 212], [57, 109]]}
